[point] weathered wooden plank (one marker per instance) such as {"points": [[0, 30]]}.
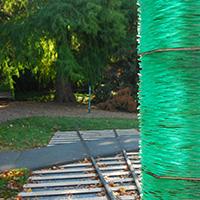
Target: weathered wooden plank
{"points": [[79, 170], [71, 191], [70, 170], [133, 153], [104, 198], [120, 158], [107, 163], [91, 198], [117, 158], [73, 183], [56, 177], [77, 165], [77, 176], [61, 184], [95, 197]]}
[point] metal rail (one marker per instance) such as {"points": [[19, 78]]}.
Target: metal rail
{"points": [[129, 164], [109, 191]]}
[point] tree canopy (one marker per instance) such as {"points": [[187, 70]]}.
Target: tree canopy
{"points": [[65, 40]]}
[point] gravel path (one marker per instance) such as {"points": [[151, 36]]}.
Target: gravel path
{"points": [[16, 110]]}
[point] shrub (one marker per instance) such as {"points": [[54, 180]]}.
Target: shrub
{"points": [[122, 100]]}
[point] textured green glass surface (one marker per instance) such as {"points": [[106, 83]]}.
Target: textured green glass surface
{"points": [[169, 23], [170, 99]]}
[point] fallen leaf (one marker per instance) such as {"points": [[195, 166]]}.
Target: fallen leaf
{"points": [[19, 198], [121, 190]]}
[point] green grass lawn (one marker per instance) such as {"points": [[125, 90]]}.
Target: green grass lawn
{"points": [[34, 132]]}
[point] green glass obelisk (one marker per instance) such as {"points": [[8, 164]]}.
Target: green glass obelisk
{"points": [[169, 48]]}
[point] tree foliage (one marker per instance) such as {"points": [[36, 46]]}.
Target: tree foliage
{"points": [[122, 71], [64, 40]]}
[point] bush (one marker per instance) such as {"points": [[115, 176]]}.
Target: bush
{"points": [[122, 100]]}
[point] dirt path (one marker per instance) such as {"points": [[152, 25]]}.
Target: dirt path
{"points": [[26, 109]]}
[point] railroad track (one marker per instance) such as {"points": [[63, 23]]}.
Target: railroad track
{"points": [[116, 177]]}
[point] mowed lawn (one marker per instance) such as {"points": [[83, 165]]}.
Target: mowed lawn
{"points": [[35, 132]]}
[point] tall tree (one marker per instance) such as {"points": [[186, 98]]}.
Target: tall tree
{"points": [[76, 38]]}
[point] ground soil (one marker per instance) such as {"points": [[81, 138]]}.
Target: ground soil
{"points": [[15, 110]]}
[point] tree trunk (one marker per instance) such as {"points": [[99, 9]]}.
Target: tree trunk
{"points": [[64, 93]]}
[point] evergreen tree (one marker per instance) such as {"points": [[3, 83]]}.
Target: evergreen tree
{"points": [[64, 40]]}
